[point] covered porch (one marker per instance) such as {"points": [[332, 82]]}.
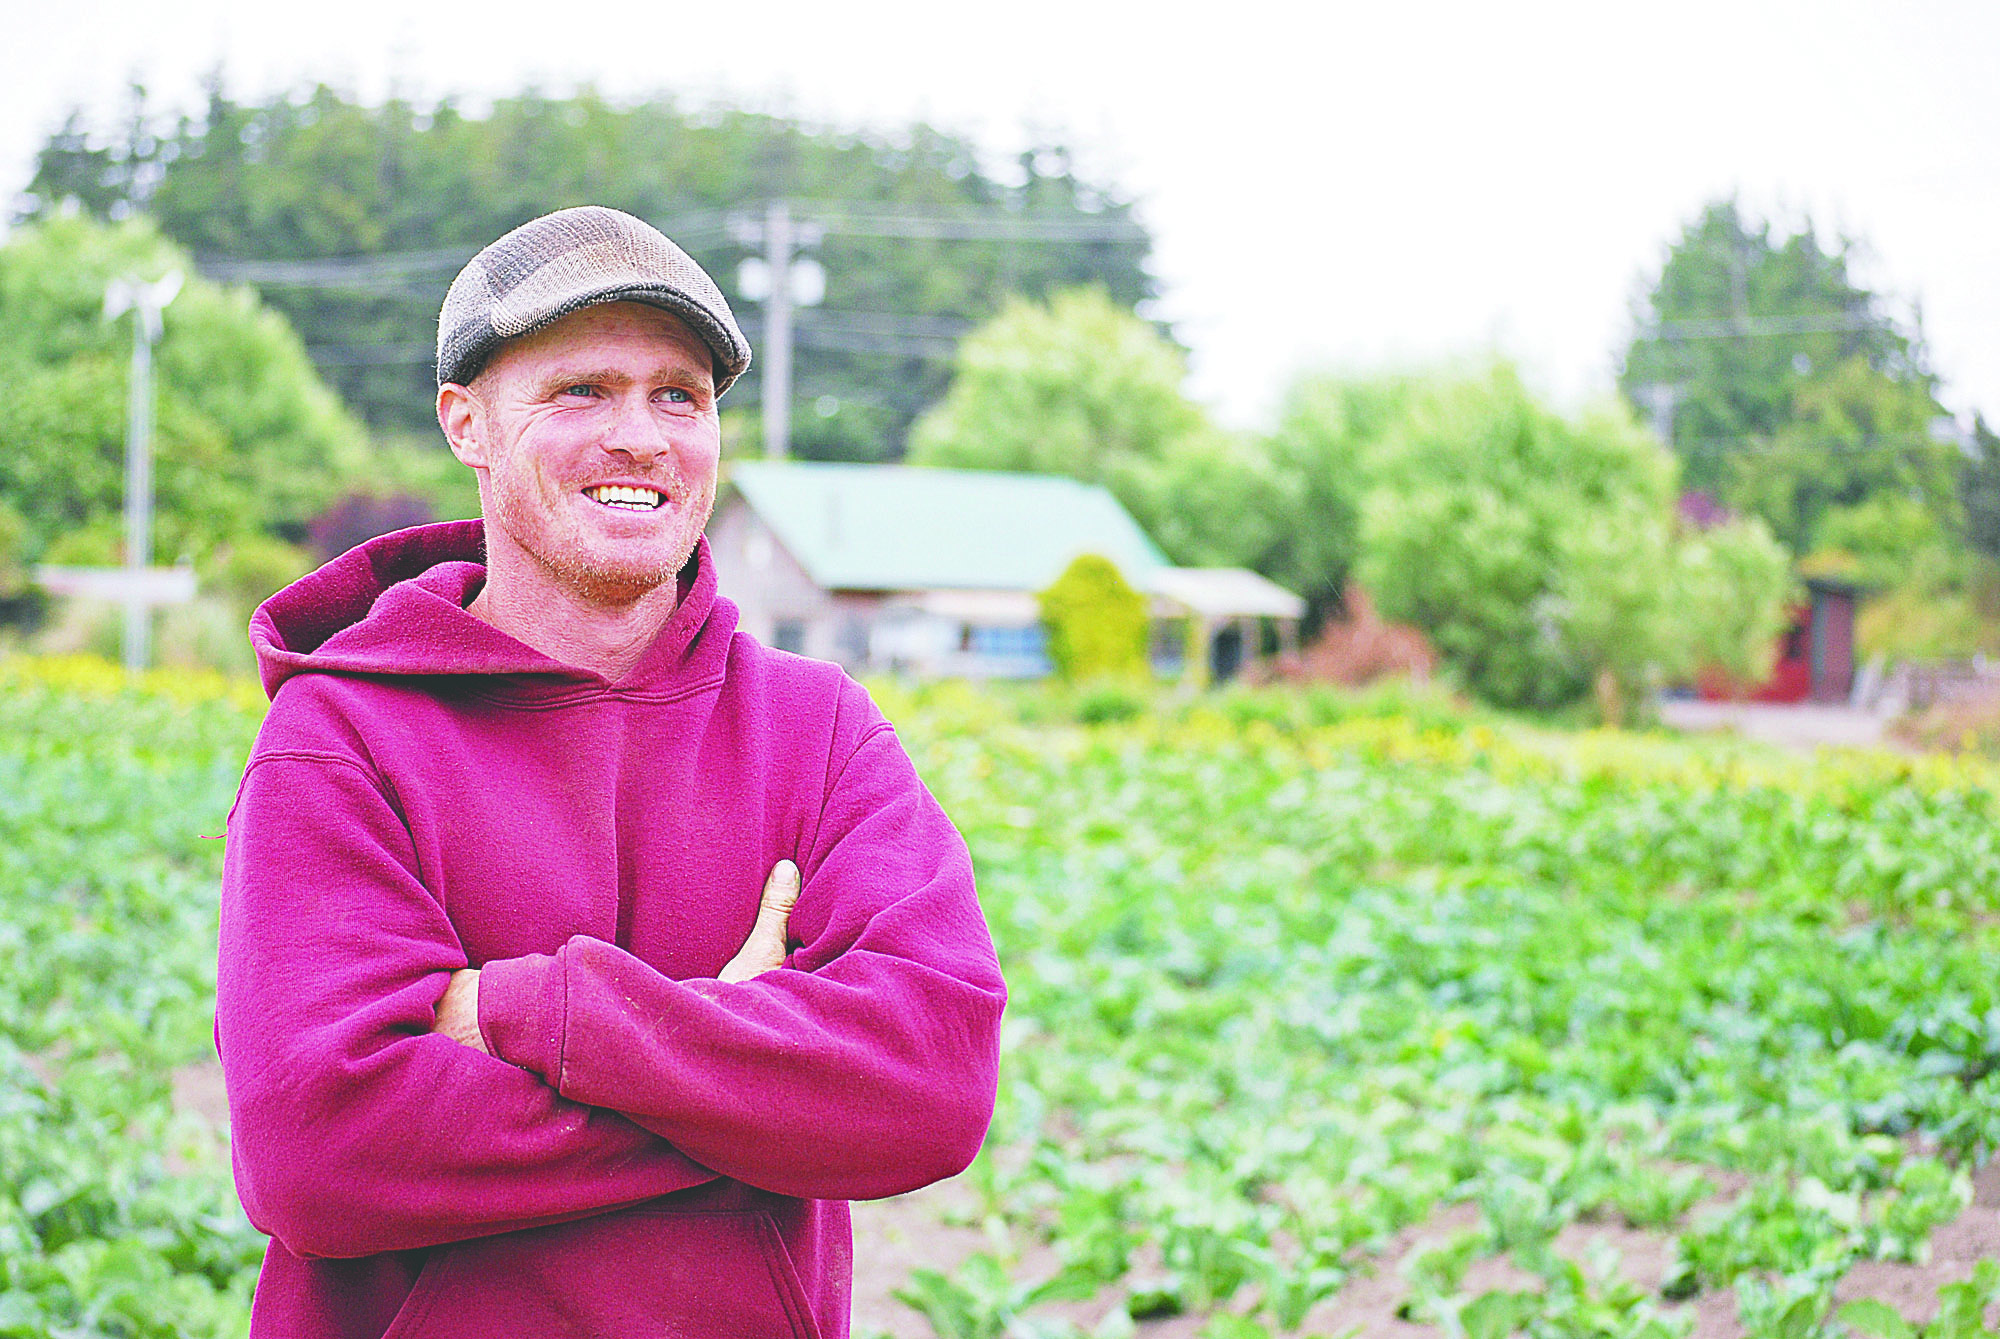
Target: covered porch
{"points": [[1224, 611]]}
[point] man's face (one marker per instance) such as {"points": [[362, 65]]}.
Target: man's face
{"points": [[596, 443]]}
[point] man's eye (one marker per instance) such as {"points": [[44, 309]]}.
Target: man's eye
{"points": [[581, 388], [677, 395]]}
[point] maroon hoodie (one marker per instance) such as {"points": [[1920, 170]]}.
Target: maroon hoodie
{"points": [[648, 1151]]}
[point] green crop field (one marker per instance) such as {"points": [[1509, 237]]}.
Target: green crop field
{"points": [[1293, 980], [116, 1214]]}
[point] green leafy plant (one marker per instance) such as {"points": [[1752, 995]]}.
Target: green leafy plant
{"points": [[1961, 1311], [1097, 624]]}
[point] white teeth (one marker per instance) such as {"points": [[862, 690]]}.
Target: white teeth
{"points": [[620, 495]]}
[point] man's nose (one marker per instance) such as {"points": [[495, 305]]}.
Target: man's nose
{"points": [[636, 429]]}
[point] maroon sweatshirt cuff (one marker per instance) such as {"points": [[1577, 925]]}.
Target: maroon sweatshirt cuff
{"points": [[521, 1013]]}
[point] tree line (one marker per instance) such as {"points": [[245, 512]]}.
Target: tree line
{"points": [[920, 235], [985, 315], [1550, 554]]}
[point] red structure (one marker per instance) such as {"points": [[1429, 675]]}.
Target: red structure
{"points": [[1815, 654]]}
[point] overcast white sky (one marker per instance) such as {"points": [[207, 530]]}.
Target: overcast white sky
{"points": [[1346, 184]]}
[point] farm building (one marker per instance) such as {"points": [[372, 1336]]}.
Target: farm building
{"points": [[1815, 661], [935, 572]]}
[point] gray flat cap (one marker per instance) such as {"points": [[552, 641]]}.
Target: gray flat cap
{"points": [[566, 261]]}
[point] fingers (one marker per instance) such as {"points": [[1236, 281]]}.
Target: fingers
{"points": [[765, 948], [781, 894], [457, 1012]]}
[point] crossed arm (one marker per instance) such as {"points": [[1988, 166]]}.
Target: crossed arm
{"points": [[457, 1014]]}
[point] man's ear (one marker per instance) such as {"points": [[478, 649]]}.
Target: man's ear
{"points": [[459, 413]]}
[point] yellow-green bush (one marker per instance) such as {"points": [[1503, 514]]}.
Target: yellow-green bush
{"points": [[1096, 622]]}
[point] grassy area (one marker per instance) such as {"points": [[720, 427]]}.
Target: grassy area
{"points": [[1291, 974]]}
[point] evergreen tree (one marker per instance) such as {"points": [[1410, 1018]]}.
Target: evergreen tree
{"points": [[352, 219], [1979, 490], [1784, 386]]}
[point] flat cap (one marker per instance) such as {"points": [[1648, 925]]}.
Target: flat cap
{"points": [[566, 261]]}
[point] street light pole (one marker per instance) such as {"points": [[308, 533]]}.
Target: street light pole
{"points": [[145, 301]]}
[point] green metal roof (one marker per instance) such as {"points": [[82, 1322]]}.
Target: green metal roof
{"points": [[899, 527]]}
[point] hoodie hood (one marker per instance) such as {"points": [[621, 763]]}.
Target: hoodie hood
{"points": [[396, 605]]}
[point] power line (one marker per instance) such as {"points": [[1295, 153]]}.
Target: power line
{"points": [[1759, 327], [888, 323], [338, 271], [371, 355], [839, 331], [902, 346], [777, 230], [395, 272], [950, 227]]}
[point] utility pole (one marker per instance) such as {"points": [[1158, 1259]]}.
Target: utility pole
{"points": [[783, 282], [1662, 398], [145, 301], [778, 332]]}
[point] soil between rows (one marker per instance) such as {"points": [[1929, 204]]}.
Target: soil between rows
{"points": [[893, 1237], [924, 1229]]}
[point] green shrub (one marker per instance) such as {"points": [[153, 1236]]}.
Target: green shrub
{"points": [[1096, 622], [1108, 701]]}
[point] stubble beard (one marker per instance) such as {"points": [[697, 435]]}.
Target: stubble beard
{"points": [[571, 561]]}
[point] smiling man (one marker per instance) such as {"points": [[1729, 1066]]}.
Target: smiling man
{"points": [[580, 957]]}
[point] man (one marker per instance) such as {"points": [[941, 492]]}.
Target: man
{"points": [[513, 1042]]}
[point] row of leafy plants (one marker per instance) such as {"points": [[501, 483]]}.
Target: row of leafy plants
{"points": [[1293, 976], [117, 1215]]}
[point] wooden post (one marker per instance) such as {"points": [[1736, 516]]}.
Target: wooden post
{"points": [[1194, 667]]}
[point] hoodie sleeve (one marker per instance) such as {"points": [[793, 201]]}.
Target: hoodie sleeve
{"points": [[865, 1067], [354, 1128]]}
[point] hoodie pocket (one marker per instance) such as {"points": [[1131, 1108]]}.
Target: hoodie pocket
{"points": [[636, 1274]]}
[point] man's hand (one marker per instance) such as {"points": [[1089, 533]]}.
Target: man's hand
{"points": [[458, 1012], [765, 948]]}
